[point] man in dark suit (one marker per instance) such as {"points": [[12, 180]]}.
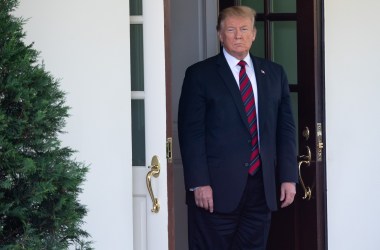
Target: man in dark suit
{"points": [[237, 139]]}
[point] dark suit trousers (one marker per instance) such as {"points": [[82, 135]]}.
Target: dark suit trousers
{"points": [[246, 228]]}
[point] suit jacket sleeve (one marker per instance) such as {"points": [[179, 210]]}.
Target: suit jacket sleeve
{"points": [[191, 129], [286, 137]]}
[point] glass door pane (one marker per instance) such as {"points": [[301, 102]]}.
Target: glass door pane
{"points": [[257, 5], [135, 7], [137, 57], [284, 47], [138, 133], [283, 6], [258, 47]]}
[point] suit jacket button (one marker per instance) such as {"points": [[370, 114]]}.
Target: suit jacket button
{"points": [[246, 164]]}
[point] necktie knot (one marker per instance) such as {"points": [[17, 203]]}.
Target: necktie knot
{"points": [[242, 63]]}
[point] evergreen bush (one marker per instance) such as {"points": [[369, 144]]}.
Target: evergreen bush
{"points": [[39, 180]]}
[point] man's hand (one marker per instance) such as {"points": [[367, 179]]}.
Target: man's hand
{"points": [[203, 198], [288, 191]]}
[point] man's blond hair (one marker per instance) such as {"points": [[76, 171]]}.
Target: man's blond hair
{"points": [[236, 11]]}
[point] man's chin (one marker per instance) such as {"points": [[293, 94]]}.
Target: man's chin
{"points": [[240, 54]]}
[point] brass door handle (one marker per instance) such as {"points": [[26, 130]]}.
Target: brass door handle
{"points": [[155, 172], [304, 159]]}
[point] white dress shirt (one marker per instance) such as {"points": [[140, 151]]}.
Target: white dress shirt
{"points": [[235, 68]]}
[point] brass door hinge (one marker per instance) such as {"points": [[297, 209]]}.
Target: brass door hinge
{"points": [[169, 149]]}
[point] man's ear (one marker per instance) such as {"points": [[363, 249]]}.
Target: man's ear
{"points": [[254, 33], [220, 37]]}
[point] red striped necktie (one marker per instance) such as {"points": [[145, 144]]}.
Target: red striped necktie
{"points": [[250, 109]]}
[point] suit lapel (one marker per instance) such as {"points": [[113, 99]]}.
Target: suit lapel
{"points": [[230, 82], [261, 79]]}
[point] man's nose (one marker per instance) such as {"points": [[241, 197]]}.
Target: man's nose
{"points": [[238, 34]]}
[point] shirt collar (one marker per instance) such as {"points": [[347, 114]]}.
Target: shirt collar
{"points": [[232, 61]]}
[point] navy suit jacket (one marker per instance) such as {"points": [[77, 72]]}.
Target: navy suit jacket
{"points": [[214, 137]]}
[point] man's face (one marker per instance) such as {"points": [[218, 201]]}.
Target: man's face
{"points": [[237, 35]]}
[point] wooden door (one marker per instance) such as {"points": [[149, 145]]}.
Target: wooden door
{"points": [[289, 32]]}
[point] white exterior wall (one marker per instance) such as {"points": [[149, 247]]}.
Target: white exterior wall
{"points": [[86, 44], [352, 123]]}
